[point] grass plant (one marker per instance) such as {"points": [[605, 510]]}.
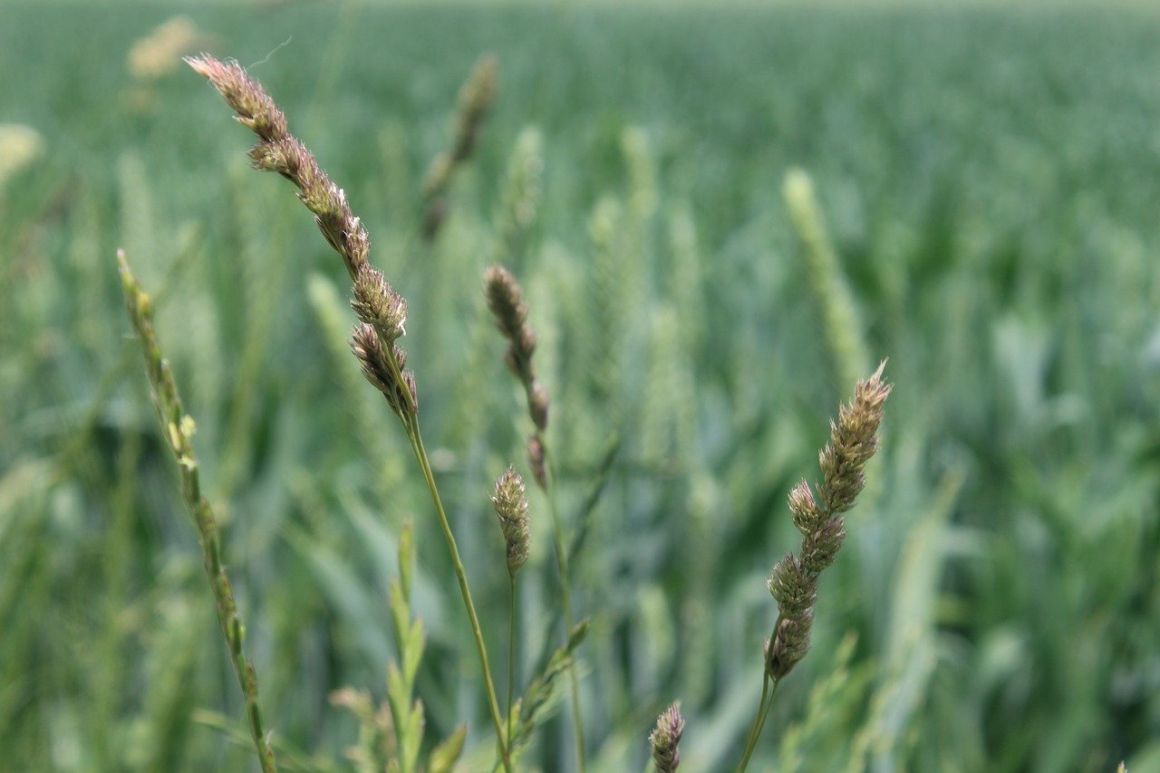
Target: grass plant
{"points": [[178, 428], [382, 310]]}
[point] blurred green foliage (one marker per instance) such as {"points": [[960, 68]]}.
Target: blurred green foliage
{"points": [[990, 179]]}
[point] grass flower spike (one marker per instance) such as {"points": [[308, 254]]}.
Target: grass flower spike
{"points": [[381, 310], [511, 506], [506, 301], [475, 100], [179, 429], [793, 583], [794, 580], [375, 301], [665, 739], [505, 298]]}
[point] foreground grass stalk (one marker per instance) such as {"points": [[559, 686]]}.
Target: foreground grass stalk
{"points": [[794, 581], [511, 507], [381, 310], [511, 685], [505, 298], [768, 688], [565, 599], [416, 438], [178, 428]]}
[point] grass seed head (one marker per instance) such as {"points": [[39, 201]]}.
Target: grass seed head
{"points": [[793, 583], [511, 506], [665, 739]]}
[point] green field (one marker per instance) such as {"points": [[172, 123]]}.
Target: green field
{"points": [[990, 181]]}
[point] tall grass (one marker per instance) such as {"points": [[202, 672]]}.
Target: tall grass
{"points": [[993, 217]]}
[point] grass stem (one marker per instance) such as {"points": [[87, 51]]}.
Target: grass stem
{"points": [[565, 600], [768, 688], [178, 428], [411, 424], [511, 653]]}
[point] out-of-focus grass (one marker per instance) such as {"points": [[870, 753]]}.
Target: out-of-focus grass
{"points": [[990, 179]]}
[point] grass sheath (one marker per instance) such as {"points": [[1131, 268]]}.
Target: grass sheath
{"points": [[381, 310], [794, 581], [178, 428]]}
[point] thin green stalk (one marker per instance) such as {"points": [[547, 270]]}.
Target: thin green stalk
{"points": [[411, 424], [505, 299], [178, 429], [758, 720], [765, 711], [511, 653], [566, 600]]}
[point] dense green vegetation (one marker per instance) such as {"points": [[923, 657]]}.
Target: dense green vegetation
{"points": [[990, 180]]}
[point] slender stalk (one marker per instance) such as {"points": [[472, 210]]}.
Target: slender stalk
{"points": [[566, 601], [758, 720], [178, 429], [511, 653], [765, 712], [411, 424], [505, 299]]}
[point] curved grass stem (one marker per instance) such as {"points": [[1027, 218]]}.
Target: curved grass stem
{"points": [[768, 689]]}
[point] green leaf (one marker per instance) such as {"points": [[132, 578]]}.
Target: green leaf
{"points": [[446, 754], [542, 691], [411, 739], [413, 651]]}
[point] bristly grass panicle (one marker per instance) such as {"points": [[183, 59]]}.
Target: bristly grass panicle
{"points": [[794, 580], [377, 304], [665, 739], [511, 507], [505, 298], [793, 583], [382, 311]]}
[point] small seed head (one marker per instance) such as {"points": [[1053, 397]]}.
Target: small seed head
{"points": [[511, 506], [803, 507], [665, 739], [378, 304]]}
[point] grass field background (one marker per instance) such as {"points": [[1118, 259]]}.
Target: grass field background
{"points": [[990, 178]]}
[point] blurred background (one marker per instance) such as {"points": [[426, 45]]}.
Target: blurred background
{"points": [[988, 176]]}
